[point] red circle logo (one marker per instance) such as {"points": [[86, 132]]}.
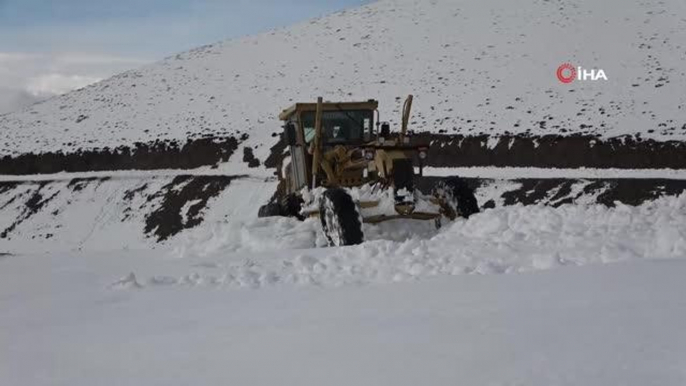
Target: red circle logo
{"points": [[566, 73]]}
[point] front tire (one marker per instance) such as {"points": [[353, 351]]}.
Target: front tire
{"points": [[340, 218]]}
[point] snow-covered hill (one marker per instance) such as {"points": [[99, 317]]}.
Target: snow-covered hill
{"points": [[475, 67]]}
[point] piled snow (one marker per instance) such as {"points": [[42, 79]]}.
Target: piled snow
{"points": [[474, 66], [384, 198], [269, 252]]}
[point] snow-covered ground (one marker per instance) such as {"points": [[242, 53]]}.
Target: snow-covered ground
{"points": [[485, 172], [81, 319], [535, 295], [483, 66]]}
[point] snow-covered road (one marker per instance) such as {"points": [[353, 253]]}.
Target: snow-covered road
{"points": [[487, 172], [510, 173], [62, 324]]}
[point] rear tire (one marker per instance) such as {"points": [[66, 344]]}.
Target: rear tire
{"points": [[458, 196], [340, 218]]}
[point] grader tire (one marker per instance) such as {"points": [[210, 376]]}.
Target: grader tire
{"points": [[340, 218]]}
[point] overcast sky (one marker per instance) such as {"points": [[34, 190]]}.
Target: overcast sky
{"points": [[48, 47]]}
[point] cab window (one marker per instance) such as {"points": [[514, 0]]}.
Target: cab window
{"points": [[339, 126]]}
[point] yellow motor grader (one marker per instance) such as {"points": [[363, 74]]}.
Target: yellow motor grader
{"points": [[345, 170]]}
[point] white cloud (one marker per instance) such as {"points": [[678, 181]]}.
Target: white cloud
{"points": [[96, 59], [56, 84], [77, 44], [28, 77], [14, 99], [13, 57]]}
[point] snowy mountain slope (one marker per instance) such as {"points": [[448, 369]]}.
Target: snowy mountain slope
{"points": [[475, 67]]}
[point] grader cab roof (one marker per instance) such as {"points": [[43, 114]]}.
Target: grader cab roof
{"points": [[328, 106]]}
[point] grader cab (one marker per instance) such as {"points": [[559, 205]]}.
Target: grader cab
{"points": [[347, 168]]}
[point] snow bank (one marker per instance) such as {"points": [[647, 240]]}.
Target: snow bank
{"points": [[268, 252]]}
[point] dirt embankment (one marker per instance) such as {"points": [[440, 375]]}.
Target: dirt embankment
{"points": [[169, 218], [559, 191], [140, 156], [550, 151], [179, 204], [553, 151], [32, 205]]}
